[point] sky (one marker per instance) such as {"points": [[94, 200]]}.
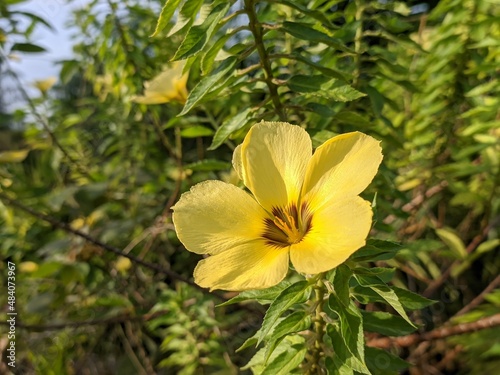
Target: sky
{"points": [[57, 42]]}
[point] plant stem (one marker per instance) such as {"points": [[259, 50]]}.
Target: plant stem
{"points": [[357, 42], [256, 29], [316, 349]]}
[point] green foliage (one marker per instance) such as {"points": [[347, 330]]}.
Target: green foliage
{"points": [[107, 169]]}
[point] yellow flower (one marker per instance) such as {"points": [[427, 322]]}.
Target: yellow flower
{"points": [[169, 85], [45, 84], [304, 207]]}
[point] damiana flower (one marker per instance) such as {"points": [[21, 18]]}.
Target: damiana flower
{"points": [[44, 85], [169, 85], [304, 207]]}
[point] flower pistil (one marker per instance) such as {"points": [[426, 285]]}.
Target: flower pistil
{"points": [[288, 225]]}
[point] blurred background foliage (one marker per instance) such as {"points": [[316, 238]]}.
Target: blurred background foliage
{"points": [[420, 76]]}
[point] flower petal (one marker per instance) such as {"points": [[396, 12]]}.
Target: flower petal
{"points": [[337, 231], [253, 265], [214, 217], [274, 159], [237, 162], [342, 166]]}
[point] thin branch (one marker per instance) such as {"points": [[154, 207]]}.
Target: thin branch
{"points": [[112, 320], [476, 301], [257, 31], [67, 228], [42, 119], [476, 241], [436, 334]]}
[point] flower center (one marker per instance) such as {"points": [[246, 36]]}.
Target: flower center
{"points": [[288, 225]]}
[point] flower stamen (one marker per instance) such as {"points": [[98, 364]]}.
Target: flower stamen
{"points": [[288, 225]]}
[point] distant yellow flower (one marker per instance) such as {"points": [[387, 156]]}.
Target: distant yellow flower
{"points": [[45, 84], [169, 85], [305, 207]]}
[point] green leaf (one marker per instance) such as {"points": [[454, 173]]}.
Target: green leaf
{"points": [[207, 61], [383, 273], [35, 18], [341, 284], [308, 12], [258, 363], [196, 131], [307, 83], [285, 362], [344, 77], [187, 16], [410, 300], [13, 156], [352, 118], [348, 338], [306, 32], [216, 78], [233, 124], [262, 296], [286, 298], [376, 250], [27, 47], [295, 322], [344, 93], [165, 16], [386, 293], [451, 239], [386, 323], [381, 362], [198, 35]]}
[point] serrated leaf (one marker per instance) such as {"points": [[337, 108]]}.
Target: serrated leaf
{"points": [[376, 250], [286, 298], [307, 83], [386, 323], [344, 93], [348, 335], [347, 338], [186, 16], [285, 362], [207, 61], [165, 16], [342, 76], [262, 296], [216, 78], [381, 362], [383, 273], [309, 12], [257, 363], [306, 32], [295, 322], [198, 35], [341, 284], [392, 299], [233, 124], [410, 300]]}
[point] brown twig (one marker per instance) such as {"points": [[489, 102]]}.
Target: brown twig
{"points": [[476, 241], [67, 228], [94, 322], [477, 300], [42, 119], [436, 334]]}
